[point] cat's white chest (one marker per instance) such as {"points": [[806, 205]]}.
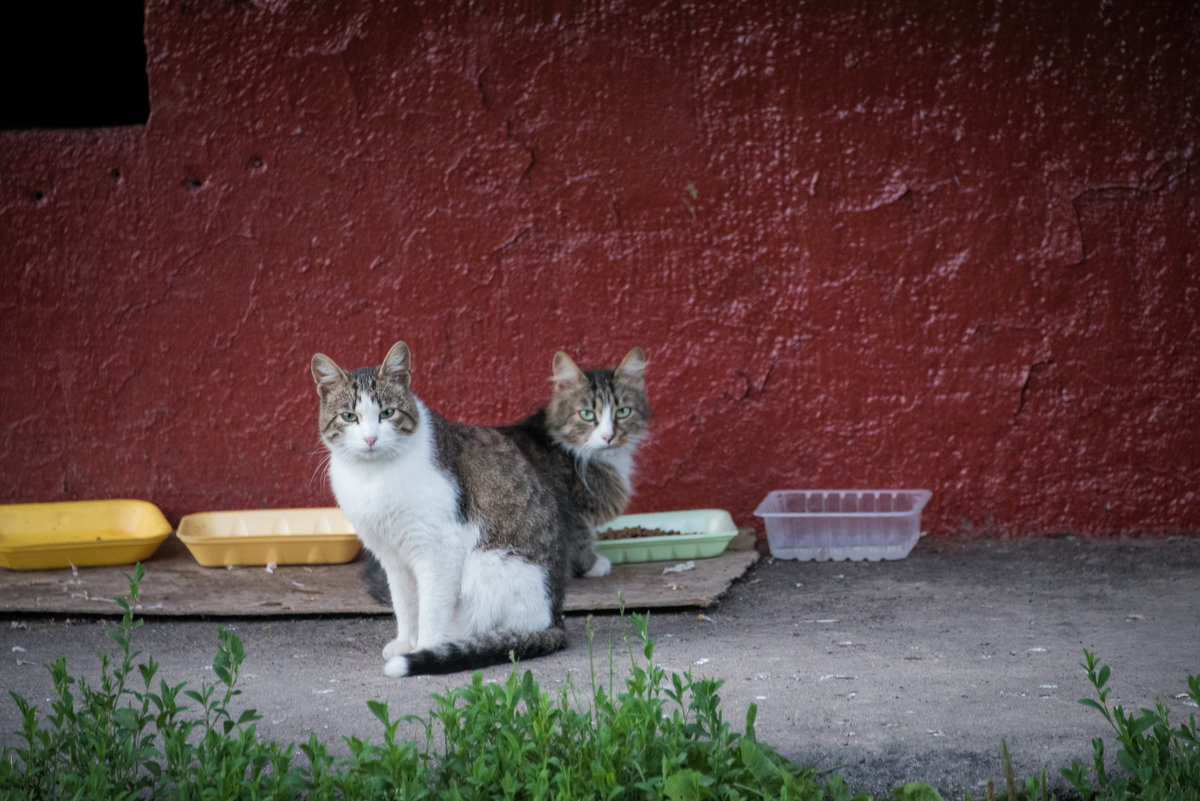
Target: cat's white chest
{"points": [[400, 502], [621, 460]]}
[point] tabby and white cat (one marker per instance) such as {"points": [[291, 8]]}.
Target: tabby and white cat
{"points": [[479, 529]]}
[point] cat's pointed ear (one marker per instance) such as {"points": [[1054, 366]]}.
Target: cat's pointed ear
{"points": [[633, 366], [326, 373], [397, 365], [566, 372]]}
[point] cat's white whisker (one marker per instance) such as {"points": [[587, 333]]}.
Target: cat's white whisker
{"points": [[321, 470]]}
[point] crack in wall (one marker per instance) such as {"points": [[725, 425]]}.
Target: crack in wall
{"points": [[1168, 173], [512, 241], [1036, 370], [481, 84], [487, 101]]}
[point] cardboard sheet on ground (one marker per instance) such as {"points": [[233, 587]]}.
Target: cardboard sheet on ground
{"points": [[175, 584]]}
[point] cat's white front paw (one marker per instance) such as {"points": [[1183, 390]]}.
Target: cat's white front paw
{"points": [[602, 567]]}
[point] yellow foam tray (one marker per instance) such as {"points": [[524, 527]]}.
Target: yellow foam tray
{"points": [[703, 533], [45, 536], [262, 536]]}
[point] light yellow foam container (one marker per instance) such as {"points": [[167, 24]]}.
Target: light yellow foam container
{"points": [[703, 533], [262, 536], [46, 536]]}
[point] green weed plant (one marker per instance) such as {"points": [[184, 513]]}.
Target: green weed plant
{"points": [[1157, 762], [136, 736], [1161, 763]]}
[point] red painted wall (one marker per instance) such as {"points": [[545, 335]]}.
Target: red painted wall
{"points": [[928, 245]]}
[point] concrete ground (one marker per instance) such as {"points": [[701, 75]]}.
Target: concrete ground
{"points": [[887, 672]]}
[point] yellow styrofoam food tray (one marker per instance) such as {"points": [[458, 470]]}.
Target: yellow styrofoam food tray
{"points": [[45, 536], [702, 533], [260, 537]]}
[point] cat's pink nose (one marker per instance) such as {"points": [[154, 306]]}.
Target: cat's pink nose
{"points": [[370, 441], [606, 437]]}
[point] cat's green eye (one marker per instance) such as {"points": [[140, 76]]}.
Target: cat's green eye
{"points": [[387, 413], [588, 415], [349, 417], [624, 412]]}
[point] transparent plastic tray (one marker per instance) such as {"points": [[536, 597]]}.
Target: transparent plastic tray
{"points": [[45, 536], [703, 533], [260, 537], [842, 524]]}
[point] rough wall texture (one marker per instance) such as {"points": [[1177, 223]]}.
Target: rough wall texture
{"points": [[864, 244]]}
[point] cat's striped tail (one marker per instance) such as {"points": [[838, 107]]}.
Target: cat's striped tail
{"points": [[492, 648]]}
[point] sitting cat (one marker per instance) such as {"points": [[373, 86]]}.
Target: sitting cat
{"points": [[584, 441], [479, 529]]}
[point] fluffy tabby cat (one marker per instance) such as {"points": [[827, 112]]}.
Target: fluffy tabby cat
{"points": [[479, 529]]}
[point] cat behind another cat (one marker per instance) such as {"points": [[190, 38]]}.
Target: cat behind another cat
{"points": [[479, 529]]}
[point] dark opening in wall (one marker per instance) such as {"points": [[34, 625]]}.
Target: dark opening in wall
{"points": [[72, 64]]}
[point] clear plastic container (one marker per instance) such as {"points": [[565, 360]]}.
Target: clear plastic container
{"points": [[842, 524]]}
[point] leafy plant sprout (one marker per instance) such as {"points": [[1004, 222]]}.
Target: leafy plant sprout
{"points": [[661, 736], [133, 735]]}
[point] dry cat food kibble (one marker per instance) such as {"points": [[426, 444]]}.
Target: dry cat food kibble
{"points": [[635, 532]]}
